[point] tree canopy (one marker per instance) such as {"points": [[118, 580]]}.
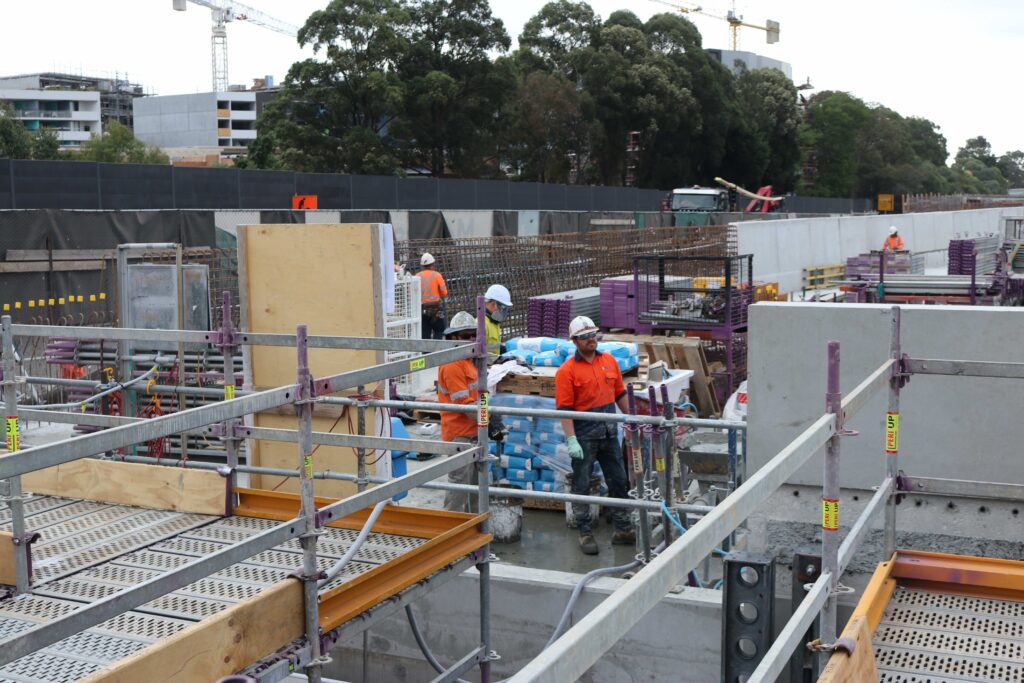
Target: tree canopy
{"points": [[118, 144], [430, 86]]}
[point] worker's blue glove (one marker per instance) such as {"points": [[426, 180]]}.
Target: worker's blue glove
{"points": [[575, 449]]}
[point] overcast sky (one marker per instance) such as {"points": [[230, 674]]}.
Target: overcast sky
{"points": [[952, 61]]}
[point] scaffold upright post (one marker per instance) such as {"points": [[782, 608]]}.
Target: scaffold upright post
{"points": [[227, 349], [892, 432], [310, 574], [12, 488], [830, 497], [484, 480]]}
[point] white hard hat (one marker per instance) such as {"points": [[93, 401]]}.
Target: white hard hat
{"points": [[581, 324], [427, 259], [892, 230], [461, 322], [498, 293]]}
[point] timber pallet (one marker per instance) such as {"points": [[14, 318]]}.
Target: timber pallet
{"points": [[421, 415], [535, 504], [819, 277], [535, 385], [680, 353]]}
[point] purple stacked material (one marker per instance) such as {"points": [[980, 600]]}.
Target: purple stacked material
{"points": [[896, 263], [619, 302], [973, 256], [549, 315]]}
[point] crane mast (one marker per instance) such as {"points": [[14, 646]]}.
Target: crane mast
{"points": [[222, 12]]}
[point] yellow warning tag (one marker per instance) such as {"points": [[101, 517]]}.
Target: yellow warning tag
{"points": [[892, 433], [638, 463], [229, 392], [13, 438], [829, 514], [483, 417], [307, 463], [417, 363], [659, 464]]}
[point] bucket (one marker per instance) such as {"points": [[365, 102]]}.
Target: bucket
{"points": [[506, 519]]}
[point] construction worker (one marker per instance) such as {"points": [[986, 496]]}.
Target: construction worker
{"points": [[433, 292], [893, 242], [457, 383], [497, 301], [590, 381]]}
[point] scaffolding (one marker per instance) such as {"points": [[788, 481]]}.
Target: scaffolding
{"points": [[324, 622], [580, 647]]}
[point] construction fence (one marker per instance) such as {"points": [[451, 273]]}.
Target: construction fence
{"points": [[921, 203]]}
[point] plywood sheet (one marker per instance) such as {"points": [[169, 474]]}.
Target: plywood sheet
{"points": [[328, 278], [125, 483], [217, 646], [7, 575]]}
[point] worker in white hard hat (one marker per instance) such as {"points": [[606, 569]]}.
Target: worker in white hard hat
{"points": [[894, 242], [457, 383], [433, 292], [497, 302], [590, 381]]}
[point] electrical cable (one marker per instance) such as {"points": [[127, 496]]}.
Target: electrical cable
{"points": [[338, 566], [424, 648], [118, 386]]}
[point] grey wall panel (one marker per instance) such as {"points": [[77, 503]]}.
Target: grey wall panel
{"points": [[417, 193], [332, 191], [950, 427], [492, 194], [456, 193], [135, 186], [649, 200], [550, 197], [625, 198], [206, 188], [55, 184], [524, 195], [603, 199], [6, 196], [266, 189], [578, 197], [374, 192]]}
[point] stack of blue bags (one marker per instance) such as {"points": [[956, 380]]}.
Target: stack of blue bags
{"points": [[533, 455], [552, 352]]}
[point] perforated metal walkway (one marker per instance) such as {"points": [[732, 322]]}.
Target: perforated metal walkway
{"points": [[936, 637], [90, 551]]}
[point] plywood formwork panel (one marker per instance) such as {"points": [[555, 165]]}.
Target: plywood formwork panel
{"points": [[326, 276], [125, 483]]}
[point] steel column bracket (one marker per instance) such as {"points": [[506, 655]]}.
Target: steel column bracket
{"points": [[902, 483], [26, 539], [901, 371], [847, 645]]}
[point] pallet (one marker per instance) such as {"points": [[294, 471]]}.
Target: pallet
{"points": [[680, 353], [534, 385], [535, 504], [820, 277], [421, 415]]}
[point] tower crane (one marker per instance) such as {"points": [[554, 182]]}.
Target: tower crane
{"points": [[735, 21], [223, 12]]}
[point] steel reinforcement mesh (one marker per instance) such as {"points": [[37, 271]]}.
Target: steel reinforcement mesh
{"points": [[531, 266]]}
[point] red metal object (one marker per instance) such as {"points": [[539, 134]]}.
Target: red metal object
{"points": [[761, 205]]}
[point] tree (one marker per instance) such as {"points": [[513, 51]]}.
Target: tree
{"points": [[335, 111], [15, 141], [768, 101], [554, 38], [546, 128], [119, 145], [831, 132], [46, 145], [454, 89], [1011, 165], [926, 140], [976, 148]]}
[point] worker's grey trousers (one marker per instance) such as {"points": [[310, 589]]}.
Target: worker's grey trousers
{"points": [[462, 501]]}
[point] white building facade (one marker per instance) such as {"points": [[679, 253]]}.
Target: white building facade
{"points": [[224, 121], [73, 115]]}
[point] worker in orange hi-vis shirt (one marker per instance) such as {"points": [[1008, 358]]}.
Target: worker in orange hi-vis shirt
{"points": [[433, 292], [893, 242]]}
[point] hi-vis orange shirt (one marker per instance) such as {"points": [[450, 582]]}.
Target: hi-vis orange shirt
{"points": [[456, 383], [893, 243], [589, 386], [433, 286]]}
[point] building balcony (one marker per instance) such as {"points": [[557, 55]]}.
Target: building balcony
{"points": [[243, 134], [223, 113], [42, 114], [243, 115]]}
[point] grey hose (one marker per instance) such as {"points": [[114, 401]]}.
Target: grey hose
{"points": [[424, 648], [338, 566], [118, 386]]}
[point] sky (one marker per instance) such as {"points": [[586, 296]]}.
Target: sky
{"points": [[954, 62]]}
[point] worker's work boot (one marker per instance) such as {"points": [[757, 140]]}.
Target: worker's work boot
{"points": [[627, 537], [588, 545]]}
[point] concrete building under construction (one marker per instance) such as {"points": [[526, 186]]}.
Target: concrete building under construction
{"points": [[222, 459]]}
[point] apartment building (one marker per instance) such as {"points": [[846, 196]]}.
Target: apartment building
{"points": [[219, 121], [74, 115]]}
